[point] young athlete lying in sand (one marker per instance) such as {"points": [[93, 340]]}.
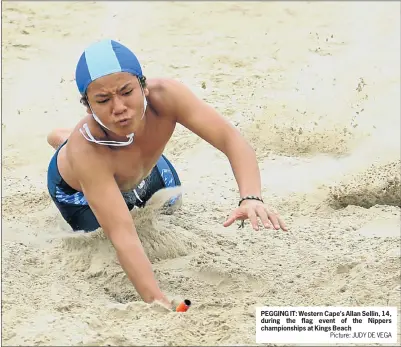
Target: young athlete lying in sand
{"points": [[113, 160]]}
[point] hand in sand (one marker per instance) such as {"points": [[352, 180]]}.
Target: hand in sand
{"points": [[252, 209], [168, 305]]}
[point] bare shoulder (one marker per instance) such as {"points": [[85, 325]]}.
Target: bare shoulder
{"points": [[168, 95], [161, 86], [85, 157]]}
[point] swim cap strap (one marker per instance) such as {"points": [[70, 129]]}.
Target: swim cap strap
{"points": [[88, 136]]}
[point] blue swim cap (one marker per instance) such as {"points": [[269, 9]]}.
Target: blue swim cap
{"points": [[104, 58]]}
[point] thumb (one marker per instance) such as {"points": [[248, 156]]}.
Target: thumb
{"points": [[175, 302], [230, 220]]}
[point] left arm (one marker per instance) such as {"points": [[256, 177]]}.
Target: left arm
{"points": [[207, 123]]}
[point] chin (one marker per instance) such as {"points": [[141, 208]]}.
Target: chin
{"points": [[133, 127]]}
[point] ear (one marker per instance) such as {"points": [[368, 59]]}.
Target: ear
{"points": [[146, 91], [84, 101]]}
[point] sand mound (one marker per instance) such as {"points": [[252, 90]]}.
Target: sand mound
{"points": [[378, 185], [93, 255]]}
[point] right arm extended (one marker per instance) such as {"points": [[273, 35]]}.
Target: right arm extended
{"points": [[106, 201]]}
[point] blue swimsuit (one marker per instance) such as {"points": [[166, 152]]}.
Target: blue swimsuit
{"points": [[75, 209]]}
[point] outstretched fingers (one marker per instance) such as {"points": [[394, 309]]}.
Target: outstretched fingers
{"points": [[276, 220], [253, 219], [264, 217], [269, 218], [230, 220]]}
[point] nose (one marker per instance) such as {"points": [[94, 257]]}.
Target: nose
{"points": [[118, 105]]}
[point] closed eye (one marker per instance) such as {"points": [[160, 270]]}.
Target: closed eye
{"points": [[125, 94]]}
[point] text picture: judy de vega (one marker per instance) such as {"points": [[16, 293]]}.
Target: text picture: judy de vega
{"points": [[326, 325]]}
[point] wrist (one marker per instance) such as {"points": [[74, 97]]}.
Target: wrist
{"points": [[250, 197], [164, 301]]}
